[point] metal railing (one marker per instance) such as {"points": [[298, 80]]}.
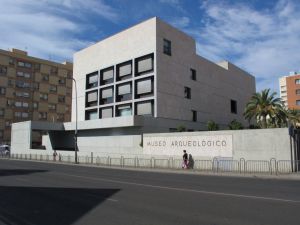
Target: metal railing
{"points": [[215, 165]]}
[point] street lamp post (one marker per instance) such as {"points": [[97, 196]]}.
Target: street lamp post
{"points": [[75, 135]]}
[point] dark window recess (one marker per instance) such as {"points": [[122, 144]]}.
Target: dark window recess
{"points": [[297, 91], [106, 95], [124, 92], [187, 92], [106, 112], [124, 70], [145, 108], [91, 114], [92, 80], [124, 110], [144, 64], [194, 115], [233, 106], [3, 70], [107, 75], [144, 87], [91, 98], [193, 74], [167, 47]]}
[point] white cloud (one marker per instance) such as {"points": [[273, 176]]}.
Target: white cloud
{"points": [[49, 29], [180, 22], [265, 43]]}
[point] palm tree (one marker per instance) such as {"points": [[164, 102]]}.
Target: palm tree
{"points": [[263, 107], [293, 116]]}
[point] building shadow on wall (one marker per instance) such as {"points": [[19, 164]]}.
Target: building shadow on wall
{"points": [[48, 206], [16, 172]]}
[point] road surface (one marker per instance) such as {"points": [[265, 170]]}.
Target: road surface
{"points": [[35, 193]]}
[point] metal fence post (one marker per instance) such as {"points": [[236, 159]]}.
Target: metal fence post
{"points": [[92, 157]]}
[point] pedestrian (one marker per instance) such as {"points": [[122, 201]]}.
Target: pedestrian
{"points": [[54, 155], [185, 160]]}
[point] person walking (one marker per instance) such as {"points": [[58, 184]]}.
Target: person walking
{"points": [[185, 160]]}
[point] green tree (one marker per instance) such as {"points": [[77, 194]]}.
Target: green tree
{"points": [[266, 109], [235, 125], [211, 125], [181, 128], [293, 116]]}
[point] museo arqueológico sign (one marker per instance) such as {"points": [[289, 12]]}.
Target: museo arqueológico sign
{"points": [[206, 146]]}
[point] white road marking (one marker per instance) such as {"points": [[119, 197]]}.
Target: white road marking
{"points": [[187, 190]]}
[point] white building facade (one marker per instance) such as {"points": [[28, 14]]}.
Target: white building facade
{"points": [[146, 79]]}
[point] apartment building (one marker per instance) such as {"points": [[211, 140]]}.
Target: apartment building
{"points": [[146, 79], [32, 89], [289, 87]]}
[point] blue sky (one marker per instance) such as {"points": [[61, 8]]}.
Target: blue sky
{"points": [[260, 36]]}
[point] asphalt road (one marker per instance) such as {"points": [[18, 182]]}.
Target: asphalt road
{"points": [[33, 193]]}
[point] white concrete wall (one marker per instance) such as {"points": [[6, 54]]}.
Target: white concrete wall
{"points": [[21, 136], [211, 93], [260, 144], [134, 42]]}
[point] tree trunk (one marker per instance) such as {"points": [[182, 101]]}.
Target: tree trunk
{"points": [[264, 122]]}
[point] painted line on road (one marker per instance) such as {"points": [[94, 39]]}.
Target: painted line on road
{"points": [[186, 190]]}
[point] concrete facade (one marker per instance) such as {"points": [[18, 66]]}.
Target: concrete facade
{"points": [[123, 141], [217, 92], [289, 87]]}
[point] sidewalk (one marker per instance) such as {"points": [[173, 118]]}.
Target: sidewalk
{"points": [[292, 176]]}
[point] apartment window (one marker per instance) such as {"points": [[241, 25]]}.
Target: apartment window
{"points": [[124, 110], [144, 108], [106, 95], [144, 87], [12, 61], [2, 112], [3, 70], [144, 64], [92, 80], [233, 106], [45, 77], [9, 103], [23, 74], [24, 64], [18, 114], [43, 96], [10, 83], [297, 102], [52, 88], [42, 115], [194, 114], [35, 86], [298, 92], [25, 115], [124, 92], [52, 106], [124, 70], [21, 94], [7, 123], [37, 67], [107, 76], [2, 90], [1, 133], [61, 98], [22, 84], [106, 112], [21, 104], [167, 47], [35, 105], [91, 115], [193, 74], [62, 81], [91, 98], [60, 117], [187, 92], [297, 81]]}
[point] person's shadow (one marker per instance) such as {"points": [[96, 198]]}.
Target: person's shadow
{"points": [[191, 162]]}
